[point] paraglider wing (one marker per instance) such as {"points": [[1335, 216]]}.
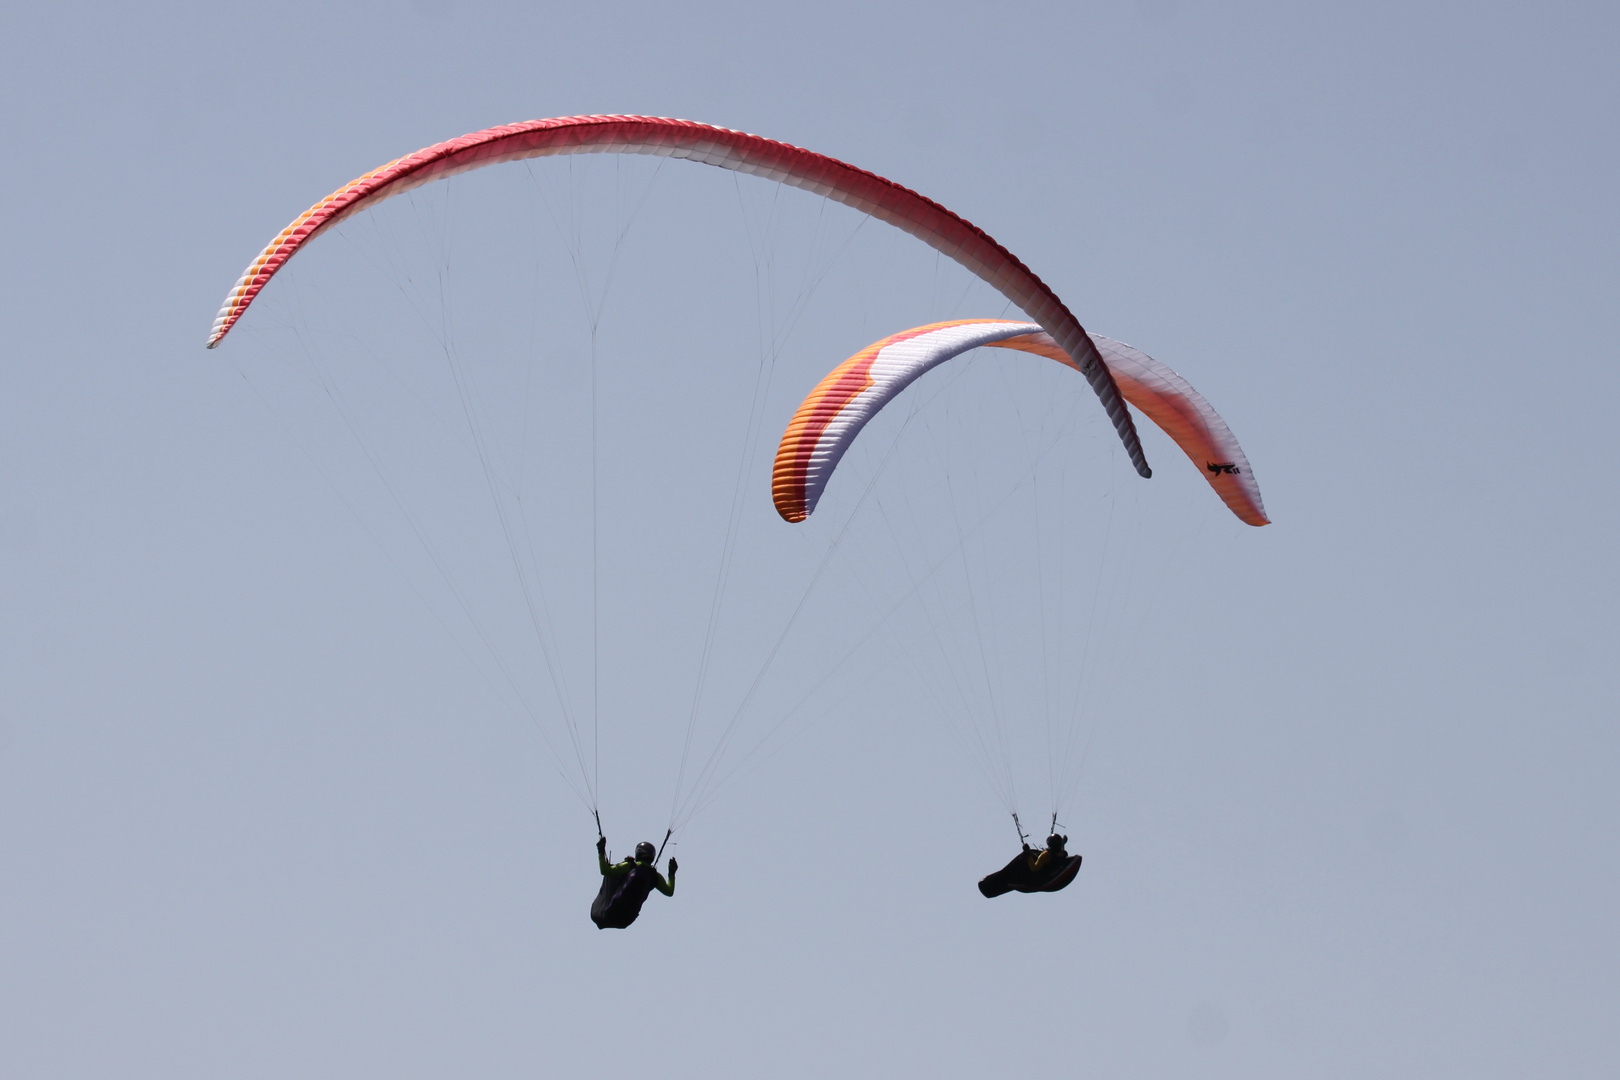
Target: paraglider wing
{"points": [[867, 192], [834, 413], [839, 407], [1180, 411]]}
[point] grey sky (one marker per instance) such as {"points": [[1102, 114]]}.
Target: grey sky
{"points": [[261, 815]]}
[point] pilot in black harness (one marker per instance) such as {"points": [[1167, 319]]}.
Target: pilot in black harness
{"points": [[1031, 871], [626, 885]]}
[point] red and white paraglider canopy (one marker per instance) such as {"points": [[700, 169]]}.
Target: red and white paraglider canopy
{"points": [[867, 192]]}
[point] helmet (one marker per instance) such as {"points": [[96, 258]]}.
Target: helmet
{"points": [[1056, 842], [645, 852]]}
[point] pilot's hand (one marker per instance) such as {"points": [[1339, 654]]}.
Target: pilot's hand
{"points": [[601, 844], [673, 866]]}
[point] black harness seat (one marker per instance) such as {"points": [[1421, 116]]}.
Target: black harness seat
{"points": [[619, 900], [1016, 876]]}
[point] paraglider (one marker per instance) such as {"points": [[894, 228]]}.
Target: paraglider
{"points": [[626, 885], [830, 418]]}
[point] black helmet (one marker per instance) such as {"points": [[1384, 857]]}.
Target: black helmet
{"points": [[645, 852], [1056, 842]]}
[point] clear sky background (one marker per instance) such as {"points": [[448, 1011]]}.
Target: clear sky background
{"points": [[263, 811]]}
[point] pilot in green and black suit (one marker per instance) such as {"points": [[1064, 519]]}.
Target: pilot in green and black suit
{"points": [[626, 885]]}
